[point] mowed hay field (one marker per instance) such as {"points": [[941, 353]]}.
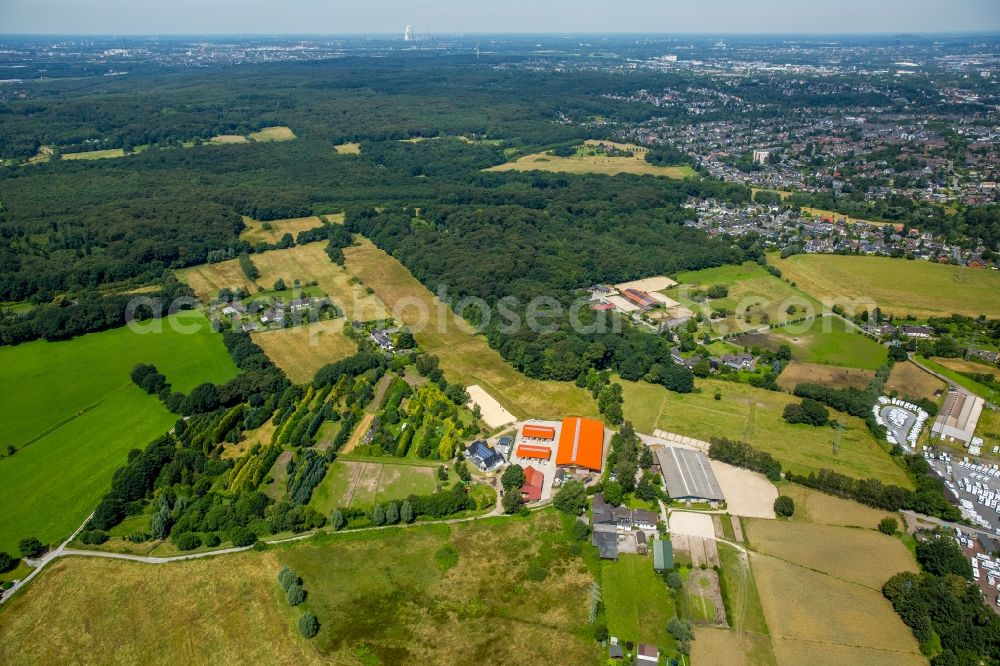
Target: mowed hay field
{"points": [[815, 618], [862, 556], [256, 233], [829, 375], [897, 286], [310, 262], [73, 408], [812, 506], [381, 597], [752, 291], [724, 646], [348, 148], [465, 356], [276, 133], [207, 279], [610, 166], [302, 350], [750, 414], [907, 379]]}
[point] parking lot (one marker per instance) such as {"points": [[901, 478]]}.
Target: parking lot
{"points": [[903, 421], [976, 485]]}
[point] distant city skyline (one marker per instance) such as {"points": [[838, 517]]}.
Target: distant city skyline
{"points": [[302, 17]]}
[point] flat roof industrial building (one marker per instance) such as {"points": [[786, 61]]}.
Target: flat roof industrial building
{"points": [[688, 475]]}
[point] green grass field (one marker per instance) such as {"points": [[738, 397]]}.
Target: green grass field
{"points": [[827, 341], [363, 484], [898, 286], [73, 413], [963, 381], [750, 414], [753, 293], [637, 601], [380, 596]]}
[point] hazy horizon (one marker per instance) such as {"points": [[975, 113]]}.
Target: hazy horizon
{"points": [[526, 17]]}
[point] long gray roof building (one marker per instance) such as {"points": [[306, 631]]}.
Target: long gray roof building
{"points": [[688, 475]]}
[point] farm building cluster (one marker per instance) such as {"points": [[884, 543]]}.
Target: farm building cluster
{"points": [[621, 529], [550, 452], [272, 313], [641, 300]]}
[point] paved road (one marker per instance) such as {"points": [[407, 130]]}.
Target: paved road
{"points": [[64, 551], [912, 517]]}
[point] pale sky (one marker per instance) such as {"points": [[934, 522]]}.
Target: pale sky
{"points": [[145, 17]]}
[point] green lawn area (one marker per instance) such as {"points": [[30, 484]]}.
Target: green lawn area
{"points": [[637, 601], [753, 292], [750, 414], [363, 482], [961, 380], [73, 413], [828, 342]]}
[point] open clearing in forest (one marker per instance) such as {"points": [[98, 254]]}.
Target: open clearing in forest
{"points": [[828, 375], [897, 286], [256, 233], [302, 350], [910, 381], [221, 139], [94, 154], [745, 413], [348, 148], [276, 133], [465, 355], [207, 279], [370, 599], [71, 409], [636, 164]]}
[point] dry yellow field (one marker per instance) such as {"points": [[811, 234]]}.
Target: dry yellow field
{"points": [[828, 375], [805, 607], [310, 262], [228, 138], [208, 279], [792, 652], [611, 166], [465, 355], [104, 611], [726, 646], [302, 350], [864, 557], [348, 148], [374, 606], [276, 133], [840, 217], [962, 365], [94, 154], [255, 232], [897, 286], [812, 506], [908, 380]]}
